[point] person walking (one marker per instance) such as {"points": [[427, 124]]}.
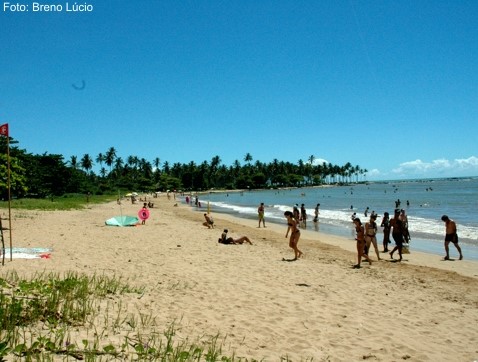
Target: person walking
{"points": [[360, 243], [293, 227], [450, 236], [371, 235], [397, 233], [386, 231]]}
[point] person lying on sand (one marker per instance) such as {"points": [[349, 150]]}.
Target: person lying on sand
{"points": [[228, 240]]}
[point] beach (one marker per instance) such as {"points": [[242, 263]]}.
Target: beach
{"points": [[261, 304]]}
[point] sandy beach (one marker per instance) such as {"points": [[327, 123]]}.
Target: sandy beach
{"points": [[262, 307]]}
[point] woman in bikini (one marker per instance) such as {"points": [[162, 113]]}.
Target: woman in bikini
{"points": [[360, 243], [293, 227], [371, 235]]}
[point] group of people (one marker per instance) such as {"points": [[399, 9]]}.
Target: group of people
{"points": [[294, 219], [398, 227], [366, 235], [300, 215]]}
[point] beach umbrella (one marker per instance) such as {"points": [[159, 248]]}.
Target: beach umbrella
{"points": [[122, 221]]}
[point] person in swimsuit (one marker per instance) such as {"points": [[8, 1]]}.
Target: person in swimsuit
{"points": [[360, 243], [261, 212], [386, 231], [404, 219], [370, 234], [209, 221], [293, 227], [228, 240], [303, 215], [316, 211], [450, 236], [397, 234]]}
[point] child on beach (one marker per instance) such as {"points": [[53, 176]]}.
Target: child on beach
{"points": [[360, 243]]}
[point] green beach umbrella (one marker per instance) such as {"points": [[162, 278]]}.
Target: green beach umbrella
{"points": [[122, 221]]}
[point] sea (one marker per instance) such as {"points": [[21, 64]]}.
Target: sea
{"points": [[424, 201]]}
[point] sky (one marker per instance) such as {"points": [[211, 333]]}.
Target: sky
{"points": [[390, 86]]}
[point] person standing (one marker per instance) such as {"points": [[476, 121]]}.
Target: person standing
{"points": [[450, 236], [366, 212], [360, 243], [397, 233], [144, 214], [386, 231], [293, 227], [371, 235], [303, 215], [316, 218], [261, 212], [406, 233]]}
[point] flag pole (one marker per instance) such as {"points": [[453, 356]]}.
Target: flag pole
{"points": [[9, 196], [4, 132]]}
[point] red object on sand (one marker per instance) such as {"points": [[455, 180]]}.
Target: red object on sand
{"points": [[143, 214]]}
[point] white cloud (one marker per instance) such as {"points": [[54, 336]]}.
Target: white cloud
{"points": [[374, 173], [438, 168], [319, 161]]}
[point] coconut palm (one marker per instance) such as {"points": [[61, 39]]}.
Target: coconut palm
{"points": [[110, 157], [86, 162]]}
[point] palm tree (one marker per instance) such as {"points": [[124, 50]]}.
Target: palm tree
{"points": [[310, 166], [248, 158], [311, 159], [100, 158], [86, 162], [166, 167], [156, 163], [110, 157], [74, 162], [213, 170], [119, 163]]}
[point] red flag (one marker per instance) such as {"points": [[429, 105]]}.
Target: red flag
{"points": [[4, 129]]}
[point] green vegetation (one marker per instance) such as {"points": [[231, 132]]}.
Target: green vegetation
{"points": [[82, 317], [65, 202], [49, 175]]}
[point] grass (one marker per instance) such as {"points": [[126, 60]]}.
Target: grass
{"points": [[77, 317], [66, 202]]}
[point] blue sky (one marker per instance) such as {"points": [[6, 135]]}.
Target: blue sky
{"points": [[391, 86]]}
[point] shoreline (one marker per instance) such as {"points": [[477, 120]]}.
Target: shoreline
{"points": [[320, 239], [261, 306]]}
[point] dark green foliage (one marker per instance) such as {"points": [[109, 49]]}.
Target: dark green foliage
{"points": [[49, 175]]}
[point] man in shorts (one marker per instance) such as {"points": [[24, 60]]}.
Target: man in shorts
{"points": [[450, 236]]}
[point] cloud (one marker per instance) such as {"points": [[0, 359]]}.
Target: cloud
{"points": [[439, 168], [319, 161], [374, 173]]}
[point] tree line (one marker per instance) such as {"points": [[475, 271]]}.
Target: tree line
{"points": [[34, 175]]}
